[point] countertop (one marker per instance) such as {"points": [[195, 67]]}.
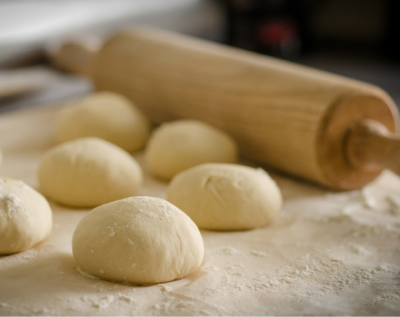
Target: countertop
{"points": [[327, 253]]}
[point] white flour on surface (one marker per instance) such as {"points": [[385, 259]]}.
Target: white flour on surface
{"points": [[259, 254], [228, 251], [327, 253], [86, 274], [316, 275], [11, 204], [338, 246]]}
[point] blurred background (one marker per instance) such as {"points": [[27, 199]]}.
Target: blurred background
{"points": [[354, 38]]}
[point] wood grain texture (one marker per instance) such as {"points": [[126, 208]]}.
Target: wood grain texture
{"points": [[284, 115], [75, 55], [370, 145], [332, 150]]}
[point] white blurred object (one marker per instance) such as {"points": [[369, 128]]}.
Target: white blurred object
{"points": [[28, 25]]}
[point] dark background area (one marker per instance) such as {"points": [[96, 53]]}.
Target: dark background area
{"points": [[291, 28], [354, 38]]}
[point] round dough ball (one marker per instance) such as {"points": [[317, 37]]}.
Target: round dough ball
{"points": [[141, 240], [179, 145], [25, 216], [226, 196], [105, 115], [88, 172]]}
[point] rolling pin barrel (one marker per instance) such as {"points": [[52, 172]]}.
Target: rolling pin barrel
{"points": [[290, 117]]}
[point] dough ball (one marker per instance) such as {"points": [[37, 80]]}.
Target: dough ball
{"points": [[179, 145], [226, 196], [105, 115], [88, 172], [1, 157], [141, 240], [25, 216]]}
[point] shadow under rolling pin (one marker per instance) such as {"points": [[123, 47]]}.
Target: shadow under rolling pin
{"points": [[329, 129]]}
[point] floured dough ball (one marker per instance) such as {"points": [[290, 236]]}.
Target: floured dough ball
{"points": [[179, 145], [25, 216], [88, 172], [226, 196], [141, 240], [105, 115]]}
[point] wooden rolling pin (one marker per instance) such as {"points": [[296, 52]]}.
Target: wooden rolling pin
{"points": [[325, 128]]}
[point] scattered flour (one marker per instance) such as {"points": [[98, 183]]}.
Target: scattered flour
{"points": [[366, 230], [104, 302], [228, 251], [260, 254], [315, 275], [173, 305], [166, 212], [11, 204], [180, 304], [394, 296], [350, 214], [394, 202], [101, 303], [367, 199], [112, 231], [340, 216], [42, 311], [358, 249], [86, 274], [165, 288], [126, 298], [230, 279]]}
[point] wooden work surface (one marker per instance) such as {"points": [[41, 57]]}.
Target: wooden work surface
{"points": [[327, 253]]}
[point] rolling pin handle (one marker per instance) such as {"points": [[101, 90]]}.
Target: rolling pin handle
{"points": [[76, 54], [370, 146]]}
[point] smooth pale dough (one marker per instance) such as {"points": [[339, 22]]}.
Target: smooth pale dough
{"points": [[88, 172], [1, 157], [141, 240], [105, 115], [25, 216], [179, 145], [226, 196]]}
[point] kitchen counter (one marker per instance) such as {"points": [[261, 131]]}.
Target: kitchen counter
{"points": [[327, 253]]}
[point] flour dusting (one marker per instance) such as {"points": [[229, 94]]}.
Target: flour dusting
{"points": [[11, 204], [394, 202], [260, 254], [145, 206], [126, 298], [358, 249], [228, 251], [315, 275], [165, 288], [86, 274]]}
